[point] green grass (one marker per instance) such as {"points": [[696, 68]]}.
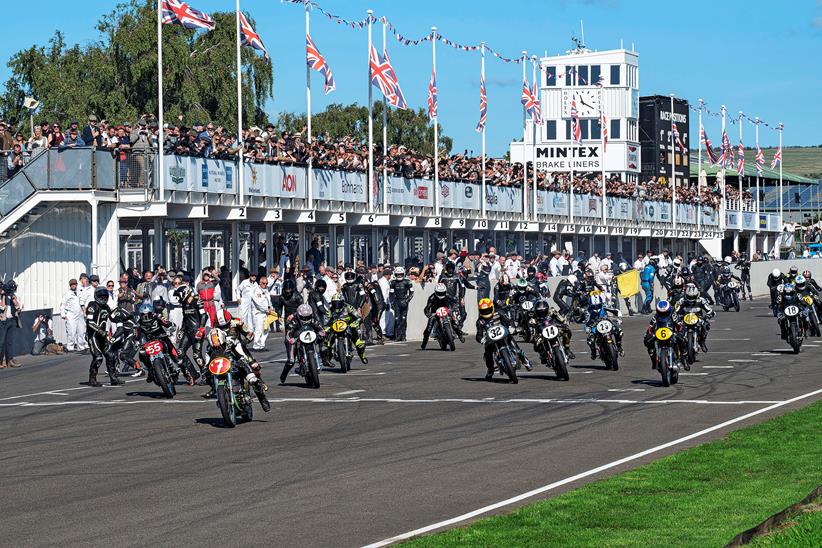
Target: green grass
{"points": [[702, 496], [806, 161], [803, 530]]}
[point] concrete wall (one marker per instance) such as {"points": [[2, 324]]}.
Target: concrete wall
{"points": [[760, 271]]}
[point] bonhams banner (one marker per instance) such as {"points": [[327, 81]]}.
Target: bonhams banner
{"points": [[275, 181], [552, 203], [460, 195], [200, 174], [341, 186], [410, 192], [503, 198], [686, 213]]}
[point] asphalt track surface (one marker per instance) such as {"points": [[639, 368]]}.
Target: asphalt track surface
{"points": [[411, 439]]}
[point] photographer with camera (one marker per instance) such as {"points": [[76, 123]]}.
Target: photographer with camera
{"points": [[9, 320], [44, 342]]}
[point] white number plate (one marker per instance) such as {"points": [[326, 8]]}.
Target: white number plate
{"points": [[605, 327], [732, 284], [550, 332], [791, 310], [308, 337], [527, 305], [496, 333]]}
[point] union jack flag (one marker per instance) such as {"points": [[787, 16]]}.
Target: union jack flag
{"points": [[432, 95], [529, 101], [740, 166], [383, 76], [708, 148], [603, 123], [726, 159], [249, 37], [759, 160], [575, 127], [316, 61], [536, 112], [176, 12], [483, 105], [678, 139], [777, 158]]}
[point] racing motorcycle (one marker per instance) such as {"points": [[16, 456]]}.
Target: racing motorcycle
{"points": [[307, 354], [524, 320], [505, 357], [794, 330], [693, 327], [665, 355], [603, 333], [340, 343], [443, 329], [813, 316], [160, 367], [728, 295], [548, 343], [233, 382]]}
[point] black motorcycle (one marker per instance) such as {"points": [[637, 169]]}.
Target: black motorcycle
{"points": [[728, 294], [548, 343], [505, 357]]}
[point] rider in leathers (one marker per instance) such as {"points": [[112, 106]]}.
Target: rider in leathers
{"points": [[743, 264], [193, 327], [153, 327], [775, 279], [352, 290], [401, 290], [598, 310], [693, 302], [341, 310], [121, 344], [371, 323], [97, 315], [455, 286], [702, 274], [664, 317], [486, 317], [438, 299], [565, 290], [545, 315], [316, 299], [235, 345], [305, 317], [534, 282], [788, 297], [502, 291]]}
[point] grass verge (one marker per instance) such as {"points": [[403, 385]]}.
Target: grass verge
{"points": [[802, 530], [702, 496]]}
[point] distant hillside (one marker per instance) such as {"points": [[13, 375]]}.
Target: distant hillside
{"points": [[805, 161]]}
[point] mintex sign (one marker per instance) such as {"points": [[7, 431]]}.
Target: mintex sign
{"points": [[569, 158]]}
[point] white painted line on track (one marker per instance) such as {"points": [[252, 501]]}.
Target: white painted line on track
{"points": [[348, 392], [731, 339], [743, 361], [811, 345], [719, 366], [626, 390], [762, 354], [685, 373], [583, 475]]}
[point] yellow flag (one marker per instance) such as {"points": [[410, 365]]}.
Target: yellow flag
{"points": [[628, 283], [269, 319]]}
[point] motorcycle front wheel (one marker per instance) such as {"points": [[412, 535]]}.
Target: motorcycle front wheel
{"points": [[509, 366], [691, 357], [226, 405], [342, 355], [560, 364], [664, 365], [163, 379], [312, 374]]}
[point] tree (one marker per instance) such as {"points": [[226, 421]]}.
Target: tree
{"points": [[116, 77], [406, 127]]}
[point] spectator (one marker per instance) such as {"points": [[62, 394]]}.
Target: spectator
{"points": [[44, 342], [38, 140], [91, 133], [73, 140]]}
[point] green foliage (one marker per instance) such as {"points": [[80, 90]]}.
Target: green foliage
{"points": [[407, 127], [116, 77]]}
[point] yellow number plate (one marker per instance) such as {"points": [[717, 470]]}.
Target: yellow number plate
{"points": [[664, 333], [808, 299], [339, 326], [691, 318]]}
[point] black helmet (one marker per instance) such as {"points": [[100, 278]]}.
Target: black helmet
{"points": [[320, 286], [101, 295], [289, 287], [183, 293], [541, 309], [726, 270], [449, 268], [532, 270], [159, 306], [11, 287], [349, 277]]}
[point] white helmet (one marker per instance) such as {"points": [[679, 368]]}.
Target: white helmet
{"points": [[572, 279], [399, 272], [728, 259], [776, 273]]}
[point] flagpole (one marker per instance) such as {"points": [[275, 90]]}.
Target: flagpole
{"points": [[436, 130], [524, 136], [310, 171], [602, 159], [384, 139], [699, 169], [781, 213], [534, 148], [756, 127], [740, 175], [239, 109], [482, 74], [370, 187], [160, 108], [673, 167], [724, 206]]}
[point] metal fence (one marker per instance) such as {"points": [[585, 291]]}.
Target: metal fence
{"points": [[11, 162], [135, 168]]}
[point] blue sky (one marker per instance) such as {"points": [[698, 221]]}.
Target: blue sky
{"points": [[750, 55]]}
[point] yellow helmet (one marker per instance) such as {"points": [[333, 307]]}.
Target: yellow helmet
{"points": [[486, 308]]}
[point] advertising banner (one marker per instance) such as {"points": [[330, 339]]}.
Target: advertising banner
{"points": [[733, 220], [566, 158], [503, 198], [710, 217], [655, 212], [619, 208], [341, 186], [552, 203], [749, 220], [275, 181], [460, 195], [587, 205], [686, 213], [200, 174], [410, 192]]}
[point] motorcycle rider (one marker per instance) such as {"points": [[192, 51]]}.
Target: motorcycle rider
{"points": [[487, 316], [565, 292], [703, 278], [97, 316], [503, 291], [775, 279], [438, 299], [534, 282], [790, 297], [341, 310], [401, 290], [791, 275], [232, 337], [121, 343], [455, 285], [544, 315], [808, 275], [352, 290], [692, 301], [305, 317], [371, 323], [664, 317], [522, 292], [743, 264], [725, 276], [192, 331], [677, 289], [153, 326], [316, 299], [597, 310]]}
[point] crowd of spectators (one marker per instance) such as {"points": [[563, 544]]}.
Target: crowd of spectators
{"points": [[267, 145]]}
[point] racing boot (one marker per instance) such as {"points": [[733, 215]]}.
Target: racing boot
{"points": [[286, 369], [92, 380], [361, 354], [112, 375], [592, 346], [425, 335]]}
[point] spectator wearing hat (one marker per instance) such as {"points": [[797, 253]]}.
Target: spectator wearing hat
{"points": [[91, 133], [73, 140], [6, 140]]}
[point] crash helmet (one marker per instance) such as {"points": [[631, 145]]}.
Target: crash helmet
{"points": [[399, 273], [11, 287], [700, 259], [505, 280], [800, 283], [304, 312], [807, 275], [101, 295], [794, 270], [349, 277], [289, 287], [677, 261], [776, 273], [691, 292], [532, 271], [664, 310], [440, 290], [589, 273], [728, 259], [582, 265], [541, 309], [159, 306], [788, 289], [450, 268], [685, 271], [320, 286], [623, 267], [337, 302], [216, 337], [726, 270], [572, 279], [486, 308], [604, 268], [521, 285], [183, 293], [679, 281], [145, 312]]}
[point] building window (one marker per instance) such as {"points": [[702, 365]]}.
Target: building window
{"points": [[550, 76], [614, 75], [551, 130], [595, 74], [596, 134], [583, 75], [583, 126], [614, 133], [569, 75]]}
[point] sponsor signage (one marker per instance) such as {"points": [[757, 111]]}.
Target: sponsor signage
{"points": [[341, 186], [410, 192], [460, 195], [503, 198], [190, 174], [569, 157]]}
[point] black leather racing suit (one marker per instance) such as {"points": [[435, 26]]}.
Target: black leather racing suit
{"points": [[400, 294]]}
